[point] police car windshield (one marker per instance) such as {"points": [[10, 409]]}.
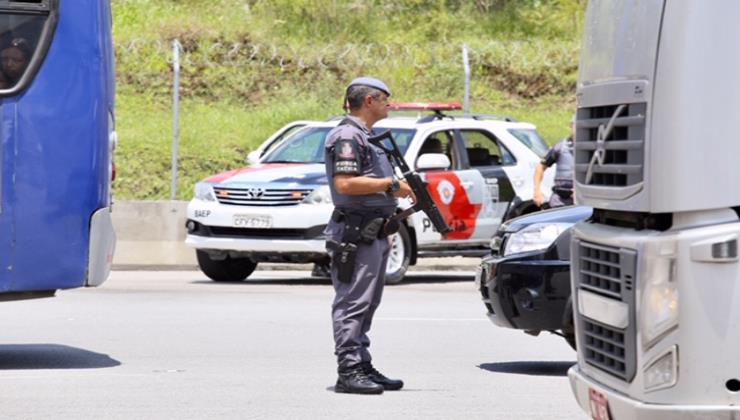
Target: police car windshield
{"points": [[307, 145], [531, 138]]}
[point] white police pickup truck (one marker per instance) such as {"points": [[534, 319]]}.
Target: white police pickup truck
{"points": [[276, 210]]}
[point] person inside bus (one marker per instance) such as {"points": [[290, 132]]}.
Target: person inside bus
{"points": [[14, 60], [4, 82]]}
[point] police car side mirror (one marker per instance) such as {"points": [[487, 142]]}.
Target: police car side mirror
{"points": [[429, 161], [253, 157]]}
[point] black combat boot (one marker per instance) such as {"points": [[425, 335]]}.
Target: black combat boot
{"points": [[380, 379], [354, 381]]}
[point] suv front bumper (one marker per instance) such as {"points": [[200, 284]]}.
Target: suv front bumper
{"points": [[257, 245], [527, 291], [296, 230]]}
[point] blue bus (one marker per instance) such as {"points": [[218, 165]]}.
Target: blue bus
{"points": [[57, 137]]}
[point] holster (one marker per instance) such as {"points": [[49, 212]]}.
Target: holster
{"points": [[358, 228], [343, 258]]}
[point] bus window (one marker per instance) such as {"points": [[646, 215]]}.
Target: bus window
{"points": [[26, 29]]}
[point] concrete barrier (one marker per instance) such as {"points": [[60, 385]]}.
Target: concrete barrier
{"points": [[151, 234]]}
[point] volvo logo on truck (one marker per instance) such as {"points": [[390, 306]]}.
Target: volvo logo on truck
{"points": [[603, 133]]}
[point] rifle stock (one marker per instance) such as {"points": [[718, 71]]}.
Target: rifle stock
{"points": [[424, 201]]}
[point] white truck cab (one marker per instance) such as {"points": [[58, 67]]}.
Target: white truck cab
{"points": [[655, 272]]}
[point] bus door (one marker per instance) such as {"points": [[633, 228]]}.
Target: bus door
{"points": [[56, 127]]}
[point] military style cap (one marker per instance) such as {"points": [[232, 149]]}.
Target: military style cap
{"points": [[371, 82]]}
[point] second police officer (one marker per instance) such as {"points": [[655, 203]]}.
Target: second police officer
{"points": [[364, 191], [561, 154]]}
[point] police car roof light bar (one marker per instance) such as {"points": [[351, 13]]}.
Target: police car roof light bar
{"points": [[425, 106], [436, 107]]}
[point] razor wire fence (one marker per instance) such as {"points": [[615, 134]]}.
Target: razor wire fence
{"points": [[512, 65], [215, 52]]}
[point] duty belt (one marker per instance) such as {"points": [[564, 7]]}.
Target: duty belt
{"points": [[563, 188], [359, 226]]}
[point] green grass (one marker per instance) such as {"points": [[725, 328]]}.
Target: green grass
{"points": [[250, 66], [214, 137]]}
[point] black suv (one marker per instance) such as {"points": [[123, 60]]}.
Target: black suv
{"points": [[525, 283]]}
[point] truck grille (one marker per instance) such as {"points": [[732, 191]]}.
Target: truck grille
{"points": [[600, 271], [260, 197], [614, 158], [605, 348], [609, 272]]}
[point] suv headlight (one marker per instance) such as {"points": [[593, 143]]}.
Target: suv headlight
{"points": [[659, 309], [496, 244], [320, 195], [204, 191], [534, 237]]}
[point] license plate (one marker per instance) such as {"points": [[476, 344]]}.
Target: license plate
{"points": [[252, 221], [599, 405]]}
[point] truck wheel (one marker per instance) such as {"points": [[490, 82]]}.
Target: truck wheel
{"points": [[399, 256], [228, 269]]}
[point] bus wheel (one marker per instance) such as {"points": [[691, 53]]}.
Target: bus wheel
{"points": [[398, 256], [228, 269]]}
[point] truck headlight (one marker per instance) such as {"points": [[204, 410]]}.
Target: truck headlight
{"points": [[204, 191], [534, 237], [320, 195], [659, 309]]}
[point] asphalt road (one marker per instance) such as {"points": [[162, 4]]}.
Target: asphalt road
{"points": [[173, 345]]}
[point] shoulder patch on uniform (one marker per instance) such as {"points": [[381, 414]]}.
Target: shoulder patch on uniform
{"points": [[346, 150], [347, 157]]}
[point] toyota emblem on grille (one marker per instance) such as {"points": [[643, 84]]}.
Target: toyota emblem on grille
{"points": [[255, 192], [600, 152]]}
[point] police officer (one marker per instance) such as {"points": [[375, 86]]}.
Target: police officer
{"points": [[364, 191], [561, 155]]}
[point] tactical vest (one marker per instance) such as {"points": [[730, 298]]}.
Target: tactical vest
{"points": [[375, 164]]}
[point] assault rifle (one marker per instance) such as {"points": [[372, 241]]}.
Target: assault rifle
{"points": [[423, 202]]}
